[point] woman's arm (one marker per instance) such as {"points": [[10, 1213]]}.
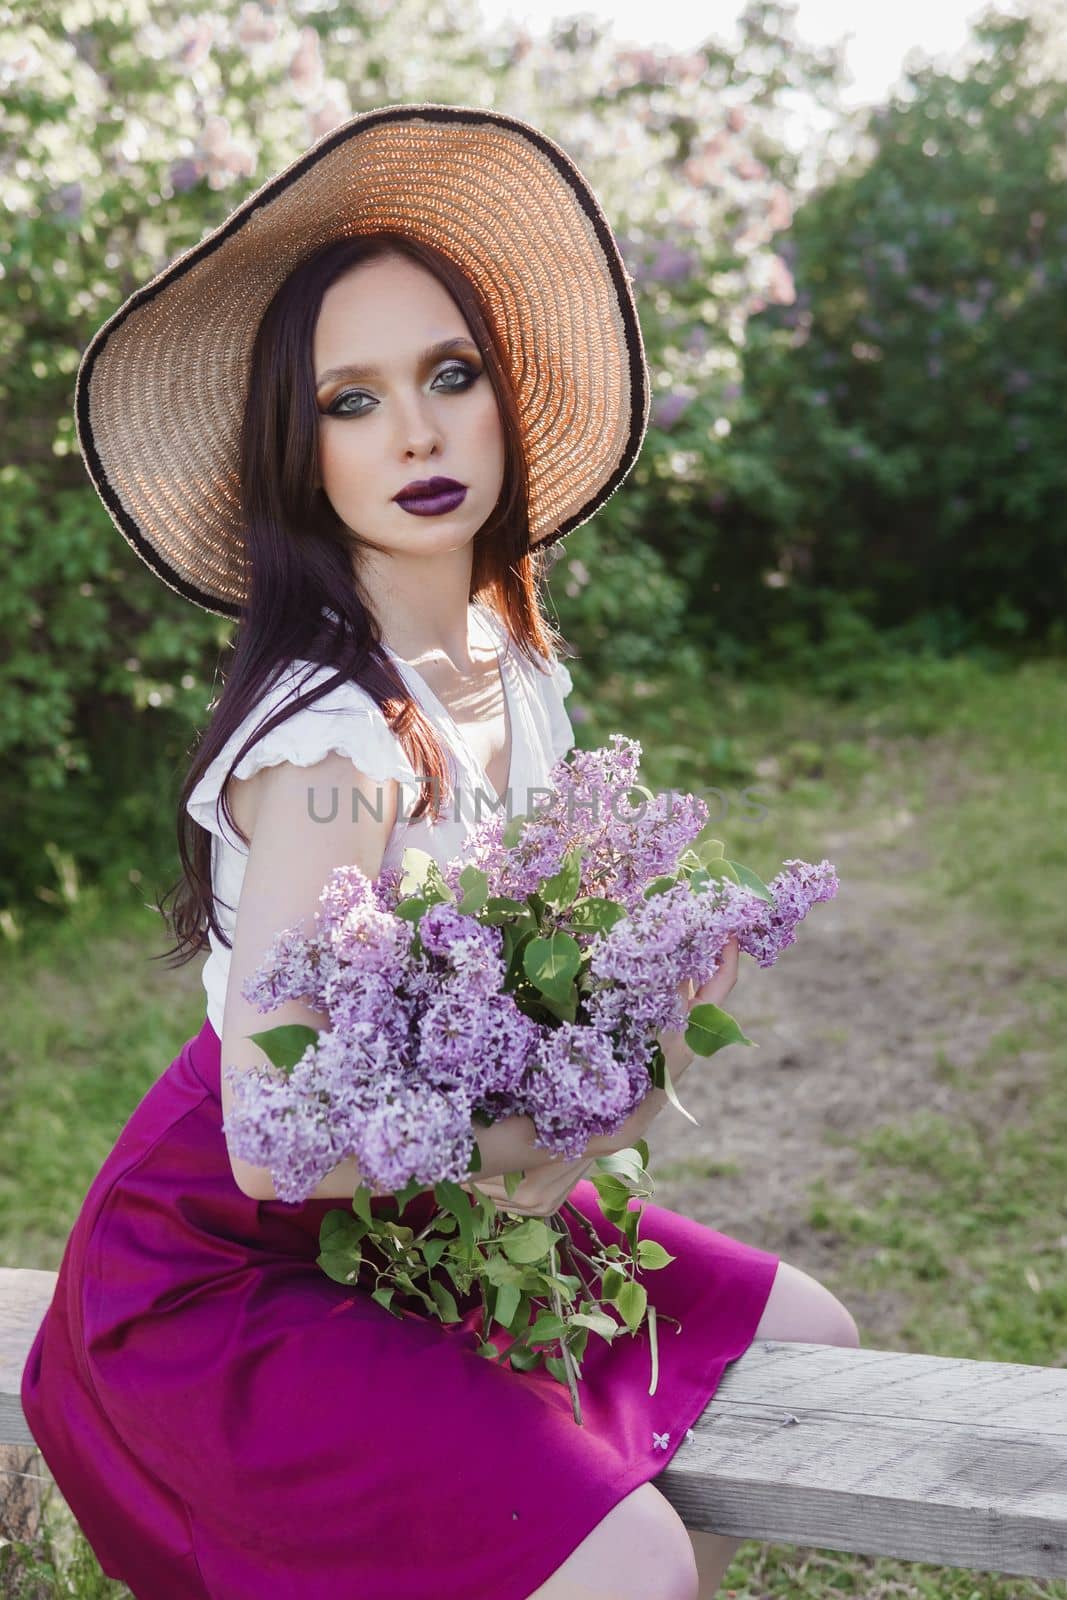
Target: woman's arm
{"points": [[291, 856]]}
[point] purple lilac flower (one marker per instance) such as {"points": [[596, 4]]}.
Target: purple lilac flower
{"points": [[574, 1089], [474, 1042], [796, 889], [471, 948], [669, 407], [290, 970], [345, 888], [269, 1127], [370, 940], [373, 1014], [415, 1133], [420, 1040], [623, 845]]}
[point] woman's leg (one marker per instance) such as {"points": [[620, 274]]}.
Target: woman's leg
{"points": [[640, 1550], [801, 1309]]}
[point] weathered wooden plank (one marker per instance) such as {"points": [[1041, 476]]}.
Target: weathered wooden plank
{"points": [[928, 1458], [25, 1295], [882, 1452]]}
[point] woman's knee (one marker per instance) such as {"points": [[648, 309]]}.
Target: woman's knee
{"points": [[641, 1548], [802, 1309]]}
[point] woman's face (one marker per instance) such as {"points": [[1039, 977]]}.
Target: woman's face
{"points": [[403, 415]]}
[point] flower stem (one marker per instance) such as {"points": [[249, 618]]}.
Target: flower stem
{"points": [[584, 1220], [568, 1358]]}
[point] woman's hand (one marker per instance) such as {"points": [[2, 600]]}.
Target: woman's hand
{"points": [[541, 1192]]}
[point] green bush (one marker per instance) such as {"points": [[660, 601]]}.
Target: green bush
{"points": [[901, 446]]}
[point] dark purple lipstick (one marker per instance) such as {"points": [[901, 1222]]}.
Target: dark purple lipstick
{"points": [[429, 497]]}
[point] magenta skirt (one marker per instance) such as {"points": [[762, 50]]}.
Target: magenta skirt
{"points": [[226, 1421]]}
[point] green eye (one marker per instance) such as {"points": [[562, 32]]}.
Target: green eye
{"points": [[463, 368]]}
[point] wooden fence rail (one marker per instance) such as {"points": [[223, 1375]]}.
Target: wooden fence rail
{"points": [[927, 1458]]}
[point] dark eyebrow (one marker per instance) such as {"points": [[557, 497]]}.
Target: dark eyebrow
{"points": [[358, 373]]}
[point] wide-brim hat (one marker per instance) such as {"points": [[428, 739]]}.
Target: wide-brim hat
{"points": [[160, 391]]}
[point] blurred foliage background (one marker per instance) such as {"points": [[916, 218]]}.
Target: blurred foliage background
{"points": [[856, 461]]}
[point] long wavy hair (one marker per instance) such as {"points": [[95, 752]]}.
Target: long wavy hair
{"points": [[305, 600]]}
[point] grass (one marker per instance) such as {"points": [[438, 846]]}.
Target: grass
{"points": [[961, 1222]]}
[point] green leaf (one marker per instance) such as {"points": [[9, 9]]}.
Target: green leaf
{"points": [[558, 1368], [508, 1297], [384, 1296], [631, 1301], [671, 1092], [709, 850], [340, 1261], [432, 1250], [412, 907], [397, 1230], [659, 886], [515, 942], [713, 869], [445, 1302], [612, 1192], [597, 1322], [408, 1192], [499, 1270], [339, 1225], [567, 1284], [566, 1009], [285, 1044], [524, 1359], [611, 1283], [625, 1165], [475, 884], [710, 1029], [530, 1241], [651, 1255], [547, 1327], [591, 914], [499, 908], [551, 963], [361, 1204], [511, 832], [561, 888], [458, 1202], [749, 880]]}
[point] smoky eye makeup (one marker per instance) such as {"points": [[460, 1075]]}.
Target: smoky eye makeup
{"points": [[468, 368]]}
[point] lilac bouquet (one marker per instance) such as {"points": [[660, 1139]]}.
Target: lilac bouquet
{"points": [[531, 975]]}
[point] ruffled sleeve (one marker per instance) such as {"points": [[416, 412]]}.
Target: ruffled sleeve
{"points": [[346, 720], [557, 686]]}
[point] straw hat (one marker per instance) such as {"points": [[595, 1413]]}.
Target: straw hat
{"points": [[161, 387]]}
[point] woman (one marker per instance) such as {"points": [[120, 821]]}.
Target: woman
{"points": [[431, 293]]}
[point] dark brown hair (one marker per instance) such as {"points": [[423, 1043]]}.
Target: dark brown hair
{"points": [[300, 559]]}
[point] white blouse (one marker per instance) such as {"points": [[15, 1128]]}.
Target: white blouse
{"points": [[348, 720]]}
